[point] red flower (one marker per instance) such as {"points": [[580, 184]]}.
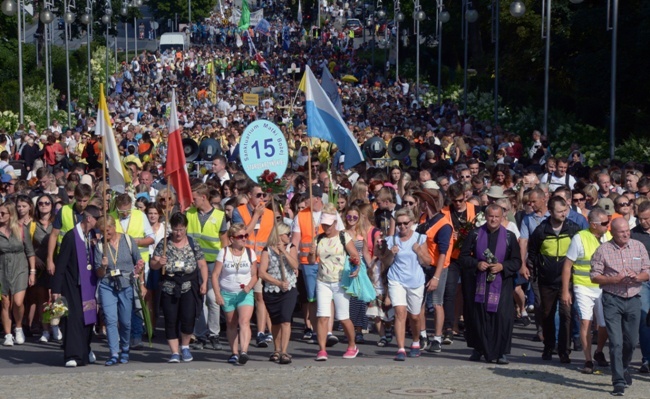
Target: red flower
{"points": [[269, 190], [268, 178], [273, 175], [354, 261], [266, 172], [278, 181]]}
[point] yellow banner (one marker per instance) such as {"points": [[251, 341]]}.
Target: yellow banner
{"points": [[251, 99]]}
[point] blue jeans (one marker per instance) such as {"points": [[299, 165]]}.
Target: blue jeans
{"points": [[644, 330], [117, 306], [622, 321]]}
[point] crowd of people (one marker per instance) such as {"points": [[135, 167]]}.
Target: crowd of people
{"points": [[467, 234]]}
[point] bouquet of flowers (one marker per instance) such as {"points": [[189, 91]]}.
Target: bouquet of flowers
{"points": [[271, 183], [467, 227], [53, 311], [491, 259]]}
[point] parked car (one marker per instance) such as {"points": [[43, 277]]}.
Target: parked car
{"points": [[355, 25]]}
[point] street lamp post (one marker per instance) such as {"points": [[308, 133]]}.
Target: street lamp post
{"points": [[9, 8], [470, 16], [419, 16], [86, 19], [612, 24], [442, 17], [68, 18], [106, 20], [546, 34], [124, 11], [47, 17], [138, 4], [399, 18], [381, 15]]}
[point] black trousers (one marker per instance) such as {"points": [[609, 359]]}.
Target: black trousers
{"points": [[177, 310], [550, 297]]}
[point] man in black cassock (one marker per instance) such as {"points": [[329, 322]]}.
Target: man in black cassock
{"points": [[75, 280], [488, 282]]}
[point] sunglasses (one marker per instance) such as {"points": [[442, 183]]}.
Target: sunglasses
{"points": [[400, 224], [644, 192], [581, 199], [603, 223], [623, 204], [44, 203], [3, 214], [409, 203], [240, 237], [260, 195], [352, 217]]}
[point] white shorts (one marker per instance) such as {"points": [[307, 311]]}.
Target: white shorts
{"points": [[325, 293], [588, 299], [409, 297]]}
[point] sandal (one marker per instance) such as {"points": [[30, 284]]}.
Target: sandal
{"points": [[124, 357], [275, 357], [285, 358], [112, 361], [382, 342]]}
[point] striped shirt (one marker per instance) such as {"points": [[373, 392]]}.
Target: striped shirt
{"points": [[612, 260]]}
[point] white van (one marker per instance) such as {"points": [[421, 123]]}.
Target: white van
{"points": [[176, 40]]}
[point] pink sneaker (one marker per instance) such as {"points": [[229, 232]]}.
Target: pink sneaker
{"points": [[351, 353], [321, 356]]}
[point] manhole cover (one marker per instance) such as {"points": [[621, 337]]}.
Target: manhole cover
{"points": [[421, 391]]}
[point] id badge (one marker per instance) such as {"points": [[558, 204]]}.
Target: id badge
{"points": [[115, 273], [178, 267]]}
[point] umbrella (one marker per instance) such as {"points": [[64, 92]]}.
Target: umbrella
{"points": [[349, 79]]}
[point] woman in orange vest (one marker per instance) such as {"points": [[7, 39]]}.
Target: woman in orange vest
{"points": [[258, 221]]}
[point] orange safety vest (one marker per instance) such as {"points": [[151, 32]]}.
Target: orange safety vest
{"points": [[471, 214], [307, 233], [257, 241], [433, 247]]}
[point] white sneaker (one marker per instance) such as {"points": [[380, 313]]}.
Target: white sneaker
{"points": [[56, 333], [91, 358], [9, 340], [71, 363], [20, 336], [45, 337]]}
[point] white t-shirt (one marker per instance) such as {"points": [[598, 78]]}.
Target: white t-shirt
{"points": [[236, 269], [556, 182]]}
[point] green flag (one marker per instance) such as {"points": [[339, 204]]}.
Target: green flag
{"points": [[245, 19]]}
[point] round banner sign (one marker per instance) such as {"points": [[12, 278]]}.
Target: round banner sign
{"points": [[263, 147]]}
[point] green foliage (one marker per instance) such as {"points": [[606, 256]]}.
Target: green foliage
{"points": [[169, 8], [634, 149]]}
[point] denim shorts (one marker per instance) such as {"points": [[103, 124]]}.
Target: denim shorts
{"points": [[234, 300], [439, 293]]}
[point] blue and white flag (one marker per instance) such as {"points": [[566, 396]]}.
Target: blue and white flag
{"points": [[263, 27], [324, 121], [331, 89]]}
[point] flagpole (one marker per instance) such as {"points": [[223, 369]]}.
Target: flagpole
{"points": [[275, 232], [105, 196], [311, 194]]}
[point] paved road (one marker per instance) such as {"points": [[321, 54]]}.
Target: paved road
{"points": [[372, 373]]}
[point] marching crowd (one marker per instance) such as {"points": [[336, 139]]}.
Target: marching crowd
{"points": [[470, 225]]}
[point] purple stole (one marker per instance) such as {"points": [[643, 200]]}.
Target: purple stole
{"points": [[87, 279], [494, 290]]}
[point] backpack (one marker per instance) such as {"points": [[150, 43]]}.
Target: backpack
{"points": [[341, 237]]}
